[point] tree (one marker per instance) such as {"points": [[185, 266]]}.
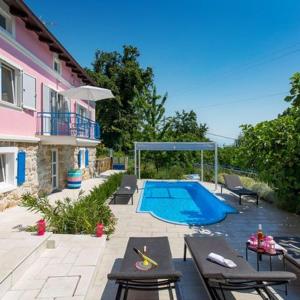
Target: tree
{"points": [[150, 108], [122, 73], [294, 96], [273, 149], [184, 127]]}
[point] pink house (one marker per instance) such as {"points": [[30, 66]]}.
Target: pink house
{"points": [[42, 133]]}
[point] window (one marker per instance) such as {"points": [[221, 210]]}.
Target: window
{"points": [[82, 158], [6, 19], [8, 168], [2, 168], [9, 84], [2, 22], [57, 65]]}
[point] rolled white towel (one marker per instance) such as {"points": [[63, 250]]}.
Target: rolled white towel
{"points": [[221, 260], [127, 187]]}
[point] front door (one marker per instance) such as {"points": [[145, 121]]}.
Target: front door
{"points": [[54, 169]]}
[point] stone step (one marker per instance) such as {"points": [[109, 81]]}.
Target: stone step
{"points": [[18, 251], [63, 272]]}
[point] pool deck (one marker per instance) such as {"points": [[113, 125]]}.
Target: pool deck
{"points": [[236, 228]]}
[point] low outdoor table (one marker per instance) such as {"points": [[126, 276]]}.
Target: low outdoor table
{"points": [[164, 276], [259, 255]]}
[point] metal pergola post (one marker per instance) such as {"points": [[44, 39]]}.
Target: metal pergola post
{"points": [[202, 165], [135, 173], [216, 166], [139, 165]]}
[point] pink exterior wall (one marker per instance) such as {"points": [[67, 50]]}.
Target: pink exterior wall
{"points": [[20, 121]]}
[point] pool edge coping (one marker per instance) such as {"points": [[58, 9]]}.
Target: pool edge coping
{"points": [[178, 223]]}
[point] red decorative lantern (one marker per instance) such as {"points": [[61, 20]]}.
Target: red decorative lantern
{"points": [[99, 230], [41, 227]]}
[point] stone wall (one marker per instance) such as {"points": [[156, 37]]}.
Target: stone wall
{"points": [[38, 169], [44, 169]]}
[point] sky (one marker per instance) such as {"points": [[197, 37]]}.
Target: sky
{"points": [[229, 61]]}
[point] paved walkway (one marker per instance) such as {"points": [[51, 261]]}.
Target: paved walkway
{"points": [[86, 187], [236, 228], [17, 246], [64, 272]]}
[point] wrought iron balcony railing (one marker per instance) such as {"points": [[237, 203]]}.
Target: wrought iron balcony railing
{"points": [[67, 124]]}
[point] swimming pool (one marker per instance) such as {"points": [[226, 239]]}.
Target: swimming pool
{"points": [[182, 202]]}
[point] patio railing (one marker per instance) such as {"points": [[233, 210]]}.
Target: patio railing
{"points": [[67, 124]]}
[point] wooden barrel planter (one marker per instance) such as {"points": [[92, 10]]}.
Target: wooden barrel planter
{"points": [[74, 179]]}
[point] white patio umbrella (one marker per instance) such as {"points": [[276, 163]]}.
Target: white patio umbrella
{"points": [[87, 92]]}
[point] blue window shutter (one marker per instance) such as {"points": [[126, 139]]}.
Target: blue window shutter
{"points": [[79, 159], [86, 157], [21, 159]]}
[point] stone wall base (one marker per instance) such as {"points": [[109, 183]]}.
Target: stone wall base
{"points": [[38, 169]]}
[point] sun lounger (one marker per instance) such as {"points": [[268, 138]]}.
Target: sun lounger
{"points": [[218, 279], [164, 276], [291, 246], [234, 185], [192, 176], [127, 188]]}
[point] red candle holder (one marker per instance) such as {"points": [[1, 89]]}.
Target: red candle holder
{"points": [[41, 227], [99, 230]]}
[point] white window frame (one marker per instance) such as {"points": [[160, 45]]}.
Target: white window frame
{"points": [[82, 163], [10, 169], [17, 86], [57, 61], [4, 11]]}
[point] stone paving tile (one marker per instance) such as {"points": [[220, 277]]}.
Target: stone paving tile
{"points": [[86, 274], [236, 228], [54, 275], [29, 284], [13, 295], [87, 257], [59, 287]]}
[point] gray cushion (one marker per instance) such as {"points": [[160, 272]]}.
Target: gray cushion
{"points": [[158, 249], [200, 247]]}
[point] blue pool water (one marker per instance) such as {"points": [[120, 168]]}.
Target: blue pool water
{"points": [[182, 202]]}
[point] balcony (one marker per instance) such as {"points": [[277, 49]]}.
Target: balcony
{"points": [[67, 124]]}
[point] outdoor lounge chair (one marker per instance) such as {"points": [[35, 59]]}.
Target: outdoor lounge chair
{"points": [[164, 276], [234, 185], [218, 279], [127, 188], [292, 246]]}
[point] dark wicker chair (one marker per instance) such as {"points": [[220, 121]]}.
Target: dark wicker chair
{"points": [[127, 188], [234, 185]]}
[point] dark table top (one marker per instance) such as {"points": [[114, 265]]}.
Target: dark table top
{"points": [[262, 252]]}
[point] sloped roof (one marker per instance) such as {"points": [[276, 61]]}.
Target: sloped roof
{"points": [[19, 9]]}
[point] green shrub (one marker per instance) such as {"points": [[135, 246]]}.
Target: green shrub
{"points": [[248, 182], [262, 189], [79, 216]]}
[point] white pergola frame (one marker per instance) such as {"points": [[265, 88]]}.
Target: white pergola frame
{"points": [[175, 146]]}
